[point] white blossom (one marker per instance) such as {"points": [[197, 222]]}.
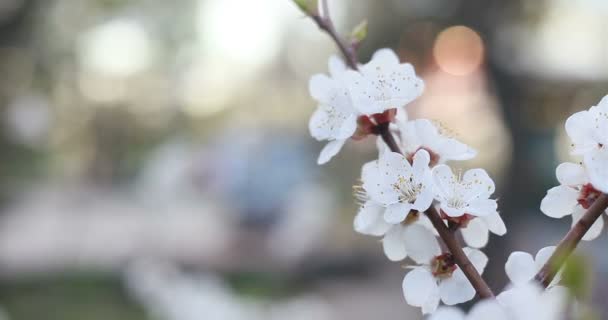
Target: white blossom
{"points": [[463, 194], [335, 119], [413, 237], [384, 83], [399, 186], [423, 134], [574, 194], [588, 131], [440, 279], [523, 302], [521, 267]]}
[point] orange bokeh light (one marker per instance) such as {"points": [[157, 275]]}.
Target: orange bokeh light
{"points": [[458, 50]]}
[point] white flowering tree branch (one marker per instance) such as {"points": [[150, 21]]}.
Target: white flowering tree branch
{"points": [[410, 197], [325, 23], [569, 243]]}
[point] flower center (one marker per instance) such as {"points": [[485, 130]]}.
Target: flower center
{"points": [[443, 266], [434, 156], [408, 190], [462, 221], [587, 195]]}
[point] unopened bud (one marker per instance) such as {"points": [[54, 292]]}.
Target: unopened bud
{"points": [[359, 33], [310, 7]]}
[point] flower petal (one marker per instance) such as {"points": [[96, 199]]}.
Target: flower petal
{"points": [[375, 186], [482, 207], [596, 228], [396, 213], [571, 174], [494, 223], [444, 182], [420, 243], [478, 184], [559, 201], [336, 66], [320, 87], [477, 258], [418, 286], [370, 220], [456, 289], [393, 244], [330, 150], [475, 234], [580, 132], [448, 313], [520, 267], [596, 162], [487, 309]]}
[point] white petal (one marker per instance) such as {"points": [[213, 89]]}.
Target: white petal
{"points": [[482, 207], [420, 243], [542, 256], [370, 220], [452, 212], [452, 149], [320, 87], [475, 234], [579, 131], [418, 286], [571, 174], [520, 267], [456, 289], [385, 57], [478, 184], [330, 150], [375, 186], [363, 93], [336, 66], [444, 182], [448, 313], [559, 202], [596, 228], [431, 304], [597, 167], [395, 168], [423, 200], [494, 223], [396, 213], [487, 309], [394, 244], [420, 166], [477, 258]]}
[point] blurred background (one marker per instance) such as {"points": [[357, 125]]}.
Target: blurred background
{"points": [[155, 161]]}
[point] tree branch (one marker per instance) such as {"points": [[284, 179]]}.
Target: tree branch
{"points": [[326, 24], [571, 240]]}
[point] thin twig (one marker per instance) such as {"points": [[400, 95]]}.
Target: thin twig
{"points": [[326, 24], [460, 257], [387, 136], [571, 240]]}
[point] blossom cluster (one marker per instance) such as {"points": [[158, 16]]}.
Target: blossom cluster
{"points": [[582, 183], [411, 195], [397, 188]]}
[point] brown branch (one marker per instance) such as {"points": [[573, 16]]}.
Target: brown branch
{"points": [[460, 257], [325, 23], [571, 240], [383, 130]]}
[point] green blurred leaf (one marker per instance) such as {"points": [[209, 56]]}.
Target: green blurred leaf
{"points": [[307, 6], [359, 33], [577, 276]]}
